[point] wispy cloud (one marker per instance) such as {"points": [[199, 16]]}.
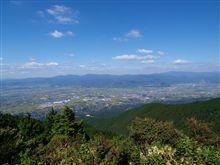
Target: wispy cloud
{"points": [[59, 34], [60, 14], [133, 34], [41, 13], [120, 39], [134, 57], [82, 66], [52, 64], [34, 64], [15, 2], [72, 55], [180, 62], [31, 64], [69, 33], [160, 52], [148, 62], [144, 51]]}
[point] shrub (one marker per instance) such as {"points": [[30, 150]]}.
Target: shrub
{"points": [[202, 132], [147, 131]]}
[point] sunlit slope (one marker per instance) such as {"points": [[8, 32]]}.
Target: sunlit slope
{"points": [[208, 111]]}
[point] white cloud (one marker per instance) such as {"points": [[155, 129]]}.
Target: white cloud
{"points": [[148, 62], [56, 34], [144, 51], [58, 9], [133, 34], [66, 20], [120, 39], [134, 57], [160, 52], [180, 62], [32, 63], [52, 64], [59, 34], [63, 14]]}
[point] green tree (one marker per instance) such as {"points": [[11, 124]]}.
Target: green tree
{"points": [[48, 124], [65, 124], [29, 128]]}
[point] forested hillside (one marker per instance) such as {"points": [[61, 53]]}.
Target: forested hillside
{"points": [[208, 111], [154, 136]]}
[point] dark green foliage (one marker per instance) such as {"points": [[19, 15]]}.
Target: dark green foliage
{"points": [[48, 124], [188, 150], [10, 145], [123, 151], [7, 120], [61, 139], [25, 159], [148, 131], [29, 128], [207, 111], [65, 124]]}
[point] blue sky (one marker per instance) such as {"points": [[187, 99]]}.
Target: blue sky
{"points": [[41, 39]]}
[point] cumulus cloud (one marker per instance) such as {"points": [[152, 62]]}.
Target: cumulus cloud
{"points": [[59, 34], [133, 34], [180, 62], [144, 51], [60, 14], [134, 57]]}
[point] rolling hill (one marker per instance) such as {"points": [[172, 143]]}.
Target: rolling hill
{"points": [[208, 111]]}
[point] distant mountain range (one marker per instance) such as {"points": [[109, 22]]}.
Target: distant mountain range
{"points": [[117, 81]]}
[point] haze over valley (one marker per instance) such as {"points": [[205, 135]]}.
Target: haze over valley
{"points": [[91, 95]]}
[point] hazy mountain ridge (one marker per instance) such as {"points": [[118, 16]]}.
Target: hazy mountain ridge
{"points": [[105, 80]]}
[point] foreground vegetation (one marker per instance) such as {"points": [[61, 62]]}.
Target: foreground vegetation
{"points": [[61, 139]]}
